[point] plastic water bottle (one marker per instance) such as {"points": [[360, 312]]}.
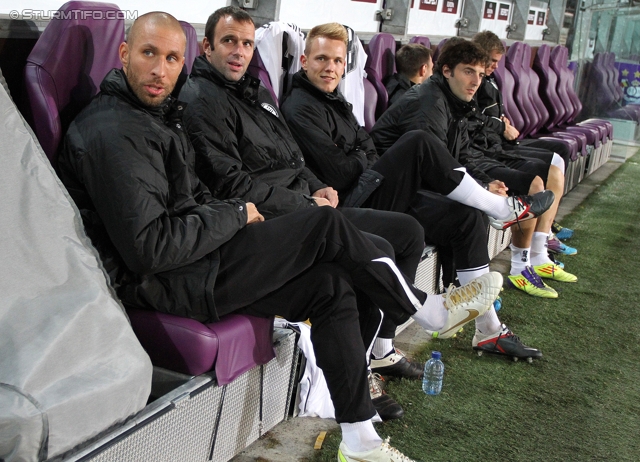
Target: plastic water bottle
{"points": [[433, 374]]}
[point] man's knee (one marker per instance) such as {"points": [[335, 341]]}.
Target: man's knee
{"points": [[537, 185]]}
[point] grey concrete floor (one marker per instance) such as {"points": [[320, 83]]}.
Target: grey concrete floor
{"points": [[293, 440]]}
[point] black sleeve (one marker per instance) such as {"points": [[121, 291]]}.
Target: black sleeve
{"points": [[125, 178]]}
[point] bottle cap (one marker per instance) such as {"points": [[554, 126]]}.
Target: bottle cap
{"points": [[436, 355]]}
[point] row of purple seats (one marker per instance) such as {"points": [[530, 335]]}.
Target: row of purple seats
{"points": [[602, 93], [62, 74], [542, 104]]}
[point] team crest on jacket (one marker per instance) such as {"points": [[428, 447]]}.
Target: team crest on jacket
{"points": [[270, 108]]}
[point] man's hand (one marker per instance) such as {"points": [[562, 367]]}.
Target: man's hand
{"points": [[329, 195], [510, 132], [322, 202], [253, 216], [498, 187]]}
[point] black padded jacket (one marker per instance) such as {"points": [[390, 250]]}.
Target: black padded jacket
{"points": [[486, 127], [243, 146], [432, 107], [129, 169], [338, 150]]}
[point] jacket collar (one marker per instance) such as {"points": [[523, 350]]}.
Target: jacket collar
{"points": [[458, 106], [246, 88], [300, 80], [116, 84]]}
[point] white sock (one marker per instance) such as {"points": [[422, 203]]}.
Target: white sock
{"points": [[539, 253], [519, 259], [470, 193], [382, 347], [558, 161], [488, 323], [360, 436], [465, 276], [433, 315]]}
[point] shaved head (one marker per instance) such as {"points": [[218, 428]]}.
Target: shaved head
{"points": [[153, 56], [154, 19]]}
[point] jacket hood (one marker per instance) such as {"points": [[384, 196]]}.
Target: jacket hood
{"points": [[458, 106], [246, 88], [116, 84]]}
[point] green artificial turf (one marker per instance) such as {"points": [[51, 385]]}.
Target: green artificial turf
{"points": [[581, 402]]}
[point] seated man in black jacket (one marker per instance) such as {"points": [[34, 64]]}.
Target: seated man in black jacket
{"points": [[322, 122], [168, 245], [414, 64], [441, 107]]}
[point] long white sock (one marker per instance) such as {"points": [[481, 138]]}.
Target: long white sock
{"points": [[519, 259], [433, 315], [558, 161], [382, 347], [470, 193], [539, 253], [360, 436], [488, 323], [465, 276]]}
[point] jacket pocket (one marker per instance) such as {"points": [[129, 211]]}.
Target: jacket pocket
{"points": [[368, 182]]}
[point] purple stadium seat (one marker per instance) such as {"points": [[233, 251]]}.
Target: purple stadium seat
{"points": [[193, 50], [66, 66], [381, 64], [370, 102], [438, 49], [230, 346], [422, 40], [507, 88]]}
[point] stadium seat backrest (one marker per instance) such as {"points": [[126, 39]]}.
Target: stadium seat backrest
{"points": [[422, 40], [380, 65], [66, 66], [438, 49], [615, 75], [557, 63], [547, 88], [534, 91], [598, 97], [370, 102], [193, 50], [521, 94], [506, 84]]}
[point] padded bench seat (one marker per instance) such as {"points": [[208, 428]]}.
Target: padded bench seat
{"points": [[231, 346]]}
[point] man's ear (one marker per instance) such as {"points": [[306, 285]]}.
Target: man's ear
{"points": [[446, 71], [423, 70], [123, 52], [303, 62], [206, 47]]}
